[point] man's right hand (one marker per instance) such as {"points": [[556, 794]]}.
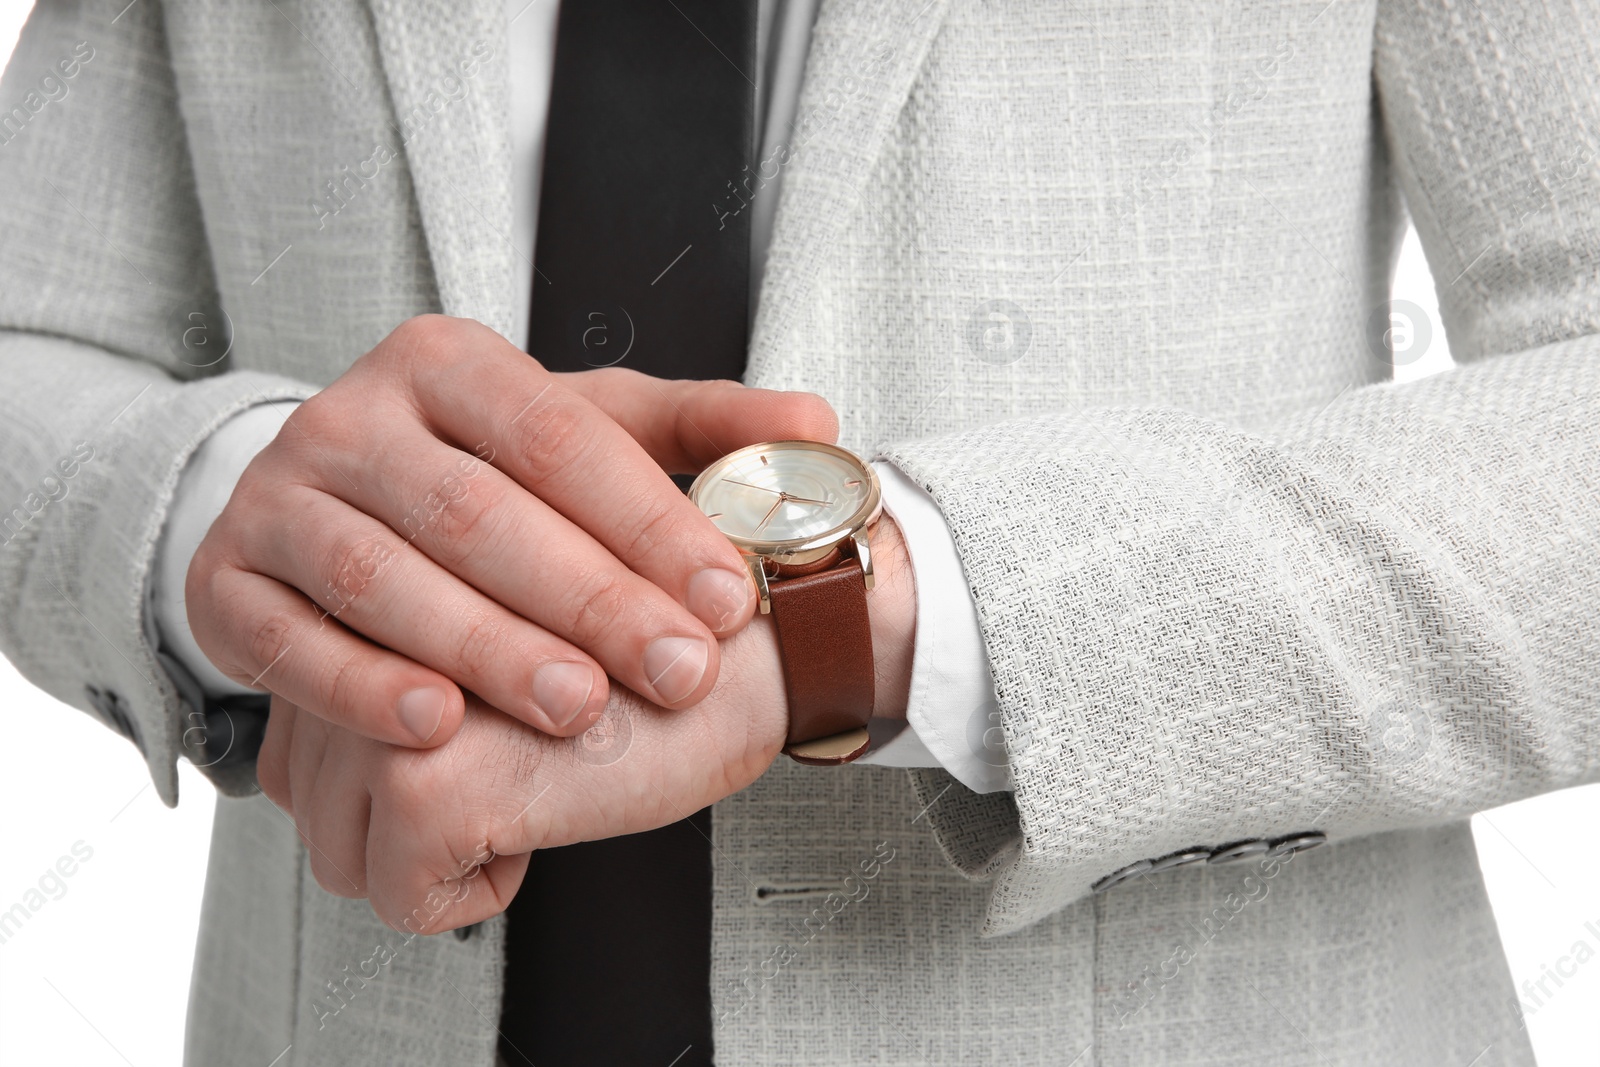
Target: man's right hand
{"points": [[448, 514]]}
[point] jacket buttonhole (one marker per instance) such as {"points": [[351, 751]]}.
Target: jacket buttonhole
{"points": [[771, 894]]}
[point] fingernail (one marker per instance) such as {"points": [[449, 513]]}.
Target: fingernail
{"points": [[717, 596], [422, 709], [561, 689], [674, 666]]}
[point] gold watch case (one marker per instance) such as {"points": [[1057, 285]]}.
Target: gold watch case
{"points": [[765, 557]]}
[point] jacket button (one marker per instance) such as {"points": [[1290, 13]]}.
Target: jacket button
{"points": [[1239, 850], [1180, 858], [1132, 870], [1288, 846]]}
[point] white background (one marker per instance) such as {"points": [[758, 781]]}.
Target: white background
{"points": [[100, 975]]}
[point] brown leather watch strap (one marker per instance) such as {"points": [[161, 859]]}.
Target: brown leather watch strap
{"points": [[825, 639]]}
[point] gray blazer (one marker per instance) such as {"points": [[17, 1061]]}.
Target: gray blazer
{"points": [[1103, 277]]}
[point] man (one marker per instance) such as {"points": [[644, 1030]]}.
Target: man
{"points": [[1101, 282]]}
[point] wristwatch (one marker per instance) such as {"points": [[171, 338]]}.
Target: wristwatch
{"points": [[802, 513]]}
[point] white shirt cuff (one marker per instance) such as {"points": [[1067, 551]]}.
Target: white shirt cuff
{"points": [[953, 720], [203, 490]]}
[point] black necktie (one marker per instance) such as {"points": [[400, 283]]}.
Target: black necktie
{"points": [[651, 122], [608, 953]]}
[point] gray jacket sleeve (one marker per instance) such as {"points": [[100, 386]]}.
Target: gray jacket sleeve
{"points": [[111, 351], [1376, 615]]}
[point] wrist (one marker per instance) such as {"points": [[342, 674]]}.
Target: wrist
{"points": [[892, 618], [759, 681]]}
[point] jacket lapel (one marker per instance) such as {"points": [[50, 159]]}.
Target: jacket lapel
{"points": [[445, 62], [864, 57]]}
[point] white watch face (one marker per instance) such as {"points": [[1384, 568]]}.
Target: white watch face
{"points": [[786, 492]]}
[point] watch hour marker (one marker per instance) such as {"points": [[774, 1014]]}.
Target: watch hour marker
{"points": [[763, 457], [852, 483], [718, 515]]}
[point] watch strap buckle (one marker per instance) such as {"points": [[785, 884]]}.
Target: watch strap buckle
{"points": [[830, 751]]}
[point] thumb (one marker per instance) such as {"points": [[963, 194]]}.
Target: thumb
{"points": [[684, 425]]}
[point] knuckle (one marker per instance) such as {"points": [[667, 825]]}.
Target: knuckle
{"points": [[308, 446], [549, 434], [598, 602], [425, 334], [458, 520], [350, 562], [207, 563], [435, 355], [342, 687], [270, 638], [232, 632], [203, 582], [436, 342], [658, 525], [478, 644], [423, 904], [257, 495], [312, 419]]}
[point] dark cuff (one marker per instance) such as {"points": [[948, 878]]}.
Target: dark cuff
{"points": [[221, 735]]}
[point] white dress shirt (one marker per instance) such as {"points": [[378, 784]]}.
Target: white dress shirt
{"points": [[953, 719]]}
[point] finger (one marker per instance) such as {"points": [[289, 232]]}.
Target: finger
{"points": [[272, 759], [438, 854], [307, 754], [427, 873], [336, 819], [502, 790], [683, 424], [403, 600], [509, 790], [452, 901], [279, 638], [477, 524], [503, 877], [482, 395]]}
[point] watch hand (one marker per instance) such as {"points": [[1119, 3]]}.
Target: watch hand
{"points": [[775, 506], [786, 496], [749, 485]]}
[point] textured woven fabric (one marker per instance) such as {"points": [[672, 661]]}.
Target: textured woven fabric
{"points": [[1101, 276]]}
